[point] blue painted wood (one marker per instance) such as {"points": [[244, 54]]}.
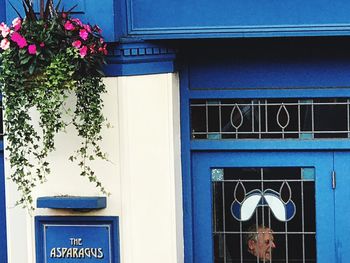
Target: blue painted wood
{"points": [[161, 19], [342, 195], [72, 202], [2, 11], [267, 144], [186, 169], [89, 11], [202, 162], [263, 93], [120, 13], [79, 5], [3, 235], [269, 64], [140, 58], [112, 222], [214, 75]]}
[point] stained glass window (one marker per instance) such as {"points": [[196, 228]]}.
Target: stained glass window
{"points": [[270, 118], [278, 202]]}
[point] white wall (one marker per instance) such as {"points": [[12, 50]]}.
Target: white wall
{"points": [[143, 176]]}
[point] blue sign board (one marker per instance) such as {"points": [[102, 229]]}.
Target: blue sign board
{"points": [[74, 243], [76, 240]]}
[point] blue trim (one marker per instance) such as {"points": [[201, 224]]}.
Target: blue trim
{"points": [[2, 11], [3, 235], [120, 11], [289, 144], [41, 221], [140, 58], [329, 92], [72, 202], [216, 33], [186, 167], [342, 194]]}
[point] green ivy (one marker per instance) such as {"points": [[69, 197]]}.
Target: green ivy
{"points": [[44, 60], [47, 91]]}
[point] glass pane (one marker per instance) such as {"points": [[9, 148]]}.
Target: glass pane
{"points": [[266, 212]]}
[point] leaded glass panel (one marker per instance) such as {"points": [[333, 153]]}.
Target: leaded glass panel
{"points": [[277, 202], [270, 118]]}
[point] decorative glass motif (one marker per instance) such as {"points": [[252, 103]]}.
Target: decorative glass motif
{"points": [[217, 175], [282, 210]]}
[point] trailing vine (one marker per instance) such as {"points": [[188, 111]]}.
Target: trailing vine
{"points": [[44, 60]]}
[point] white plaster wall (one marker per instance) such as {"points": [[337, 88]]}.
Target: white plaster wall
{"points": [[143, 176]]}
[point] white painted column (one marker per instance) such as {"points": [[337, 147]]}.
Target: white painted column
{"points": [[151, 220]]}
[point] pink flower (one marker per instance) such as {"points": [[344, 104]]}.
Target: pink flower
{"points": [[69, 26], [87, 28], [21, 41], [17, 23], [101, 40], [83, 51], [76, 44], [64, 15], [2, 26], [103, 49], [83, 34], [42, 44], [77, 21], [32, 49], [92, 48], [4, 44], [5, 30]]}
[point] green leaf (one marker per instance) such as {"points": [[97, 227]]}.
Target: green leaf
{"points": [[31, 69]]}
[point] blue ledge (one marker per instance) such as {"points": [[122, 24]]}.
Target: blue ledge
{"points": [[72, 202]]}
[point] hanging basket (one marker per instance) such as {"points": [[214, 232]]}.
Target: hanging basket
{"points": [[43, 60]]}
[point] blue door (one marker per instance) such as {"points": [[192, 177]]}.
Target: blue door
{"points": [[293, 194], [342, 208]]}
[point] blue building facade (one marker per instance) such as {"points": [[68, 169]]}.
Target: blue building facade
{"points": [[264, 99]]}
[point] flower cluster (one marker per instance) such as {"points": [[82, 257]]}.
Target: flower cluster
{"points": [[45, 38], [83, 37], [12, 33]]}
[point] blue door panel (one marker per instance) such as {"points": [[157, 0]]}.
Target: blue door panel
{"points": [[342, 207], [202, 163]]}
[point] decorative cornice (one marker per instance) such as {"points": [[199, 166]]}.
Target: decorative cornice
{"points": [[139, 58]]}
